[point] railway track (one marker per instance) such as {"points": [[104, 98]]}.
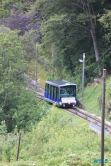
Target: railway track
{"points": [[40, 96], [83, 114], [90, 117]]}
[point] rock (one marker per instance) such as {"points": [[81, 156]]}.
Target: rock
{"points": [[97, 80]]}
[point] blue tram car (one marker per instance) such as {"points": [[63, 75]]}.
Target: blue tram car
{"points": [[61, 92]]}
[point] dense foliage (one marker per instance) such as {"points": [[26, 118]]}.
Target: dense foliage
{"points": [[64, 30], [18, 106], [12, 67], [73, 27]]}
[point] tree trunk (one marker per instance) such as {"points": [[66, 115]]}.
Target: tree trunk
{"points": [[95, 48], [92, 21]]}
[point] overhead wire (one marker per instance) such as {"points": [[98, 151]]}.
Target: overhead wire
{"points": [[107, 84], [65, 122], [90, 94], [91, 73]]}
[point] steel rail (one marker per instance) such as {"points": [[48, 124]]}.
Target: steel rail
{"points": [[89, 117], [83, 114]]}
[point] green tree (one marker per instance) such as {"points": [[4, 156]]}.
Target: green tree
{"points": [[73, 27], [12, 67], [7, 7], [105, 21], [29, 110], [28, 41]]}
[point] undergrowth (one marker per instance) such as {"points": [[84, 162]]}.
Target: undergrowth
{"points": [[58, 139]]}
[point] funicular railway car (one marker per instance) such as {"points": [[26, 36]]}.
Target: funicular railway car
{"points": [[61, 92]]}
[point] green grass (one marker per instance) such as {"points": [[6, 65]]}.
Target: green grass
{"points": [[92, 97], [75, 119], [92, 94], [59, 139]]}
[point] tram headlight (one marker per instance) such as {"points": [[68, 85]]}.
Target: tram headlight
{"points": [[60, 103]]}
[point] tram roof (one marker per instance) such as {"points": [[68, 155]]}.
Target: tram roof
{"points": [[59, 82]]}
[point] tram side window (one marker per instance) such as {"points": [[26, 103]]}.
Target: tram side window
{"points": [[55, 93], [51, 91], [46, 88], [74, 91]]}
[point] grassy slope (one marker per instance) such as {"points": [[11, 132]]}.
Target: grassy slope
{"points": [[64, 146], [92, 94], [59, 139], [91, 101]]}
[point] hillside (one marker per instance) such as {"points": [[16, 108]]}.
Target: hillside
{"points": [[92, 101], [47, 39], [59, 139]]}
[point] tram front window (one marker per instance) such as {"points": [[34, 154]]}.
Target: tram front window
{"points": [[68, 91]]}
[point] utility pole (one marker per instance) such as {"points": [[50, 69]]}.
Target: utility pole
{"points": [[83, 75], [103, 117], [83, 68], [18, 149]]}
